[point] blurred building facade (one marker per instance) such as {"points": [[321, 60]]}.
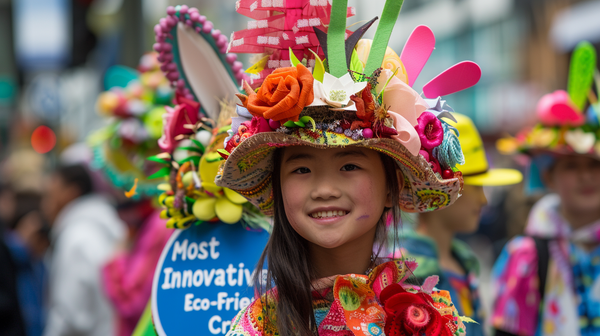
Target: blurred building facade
{"points": [[517, 43]]}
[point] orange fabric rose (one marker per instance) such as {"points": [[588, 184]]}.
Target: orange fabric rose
{"points": [[282, 95]]}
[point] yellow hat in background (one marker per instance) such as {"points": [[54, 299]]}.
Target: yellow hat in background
{"points": [[476, 170]]}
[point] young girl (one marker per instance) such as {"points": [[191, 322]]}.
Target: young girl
{"points": [[547, 282], [335, 165]]}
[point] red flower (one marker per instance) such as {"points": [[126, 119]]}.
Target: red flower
{"points": [[185, 112], [411, 314]]}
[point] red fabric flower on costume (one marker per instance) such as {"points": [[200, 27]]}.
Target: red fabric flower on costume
{"points": [[411, 313], [430, 130], [185, 113]]}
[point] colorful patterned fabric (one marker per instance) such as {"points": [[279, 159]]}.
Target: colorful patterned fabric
{"points": [[352, 305], [463, 289], [571, 303]]}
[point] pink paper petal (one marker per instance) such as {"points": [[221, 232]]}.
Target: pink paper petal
{"points": [[407, 135], [416, 52], [458, 77], [430, 283], [401, 98]]}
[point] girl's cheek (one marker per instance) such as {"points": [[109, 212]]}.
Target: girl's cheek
{"points": [[367, 194], [294, 194]]}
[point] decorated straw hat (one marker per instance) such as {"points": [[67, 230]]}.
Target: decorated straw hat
{"points": [[133, 104], [193, 56], [342, 101], [567, 120], [476, 169]]}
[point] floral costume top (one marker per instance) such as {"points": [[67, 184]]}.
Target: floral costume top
{"points": [[571, 304], [463, 289], [377, 304]]}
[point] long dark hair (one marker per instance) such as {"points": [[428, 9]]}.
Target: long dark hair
{"points": [[287, 257]]}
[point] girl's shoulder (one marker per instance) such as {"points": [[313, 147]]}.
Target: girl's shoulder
{"points": [[376, 304], [412, 308]]}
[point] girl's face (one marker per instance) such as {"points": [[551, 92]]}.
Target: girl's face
{"points": [[576, 179], [333, 197]]}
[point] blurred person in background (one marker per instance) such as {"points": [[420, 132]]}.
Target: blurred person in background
{"points": [[85, 233], [433, 242], [11, 320], [27, 239], [24, 235], [127, 277], [548, 281]]}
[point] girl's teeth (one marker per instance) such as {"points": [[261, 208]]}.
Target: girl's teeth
{"points": [[328, 214]]}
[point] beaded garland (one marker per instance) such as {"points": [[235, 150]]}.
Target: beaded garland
{"points": [[166, 46]]}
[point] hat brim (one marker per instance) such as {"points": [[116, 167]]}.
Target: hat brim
{"points": [[495, 177], [248, 169]]}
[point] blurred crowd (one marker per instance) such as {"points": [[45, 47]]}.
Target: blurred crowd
{"points": [[77, 256]]}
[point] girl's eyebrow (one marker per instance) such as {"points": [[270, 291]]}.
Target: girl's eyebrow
{"points": [[299, 156], [351, 152]]}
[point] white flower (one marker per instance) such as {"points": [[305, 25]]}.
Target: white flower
{"points": [[581, 142], [336, 92]]}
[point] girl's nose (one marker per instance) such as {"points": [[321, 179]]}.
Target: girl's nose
{"points": [[325, 188]]}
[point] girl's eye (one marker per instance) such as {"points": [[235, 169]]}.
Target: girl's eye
{"points": [[350, 167], [302, 170]]}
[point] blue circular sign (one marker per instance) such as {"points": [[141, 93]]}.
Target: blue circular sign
{"points": [[204, 277]]}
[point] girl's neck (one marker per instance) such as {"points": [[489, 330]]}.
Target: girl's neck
{"points": [[434, 228], [351, 258]]}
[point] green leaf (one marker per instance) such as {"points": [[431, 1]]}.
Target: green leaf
{"points": [[307, 119], [199, 145], [295, 61], [165, 171], [336, 38], [319, 70], [389, 16], [299, 124], [195, 159], [193, 149], [581, 73], [157, 159], [355, 63], [289, 123]]}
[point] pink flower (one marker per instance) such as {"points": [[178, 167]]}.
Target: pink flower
{"points": [[185, 113], [430, 130]]}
